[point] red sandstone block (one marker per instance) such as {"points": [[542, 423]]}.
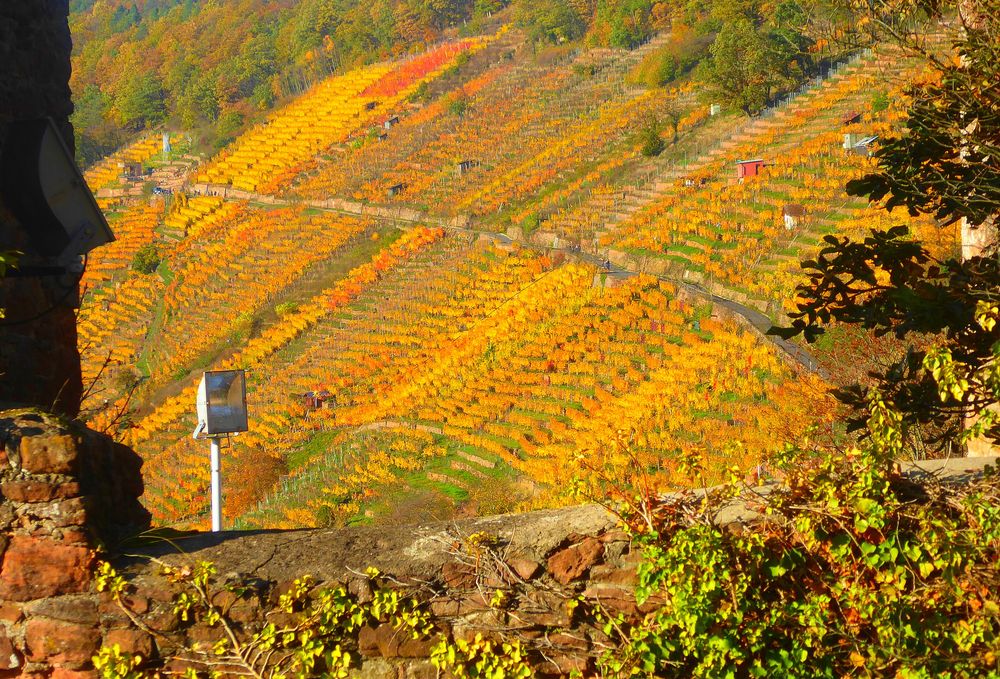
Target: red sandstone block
{"points": [[569, 564], [409, 647], [65, 673], [625, 576], [203, 637], [38, 491], [60, 642], [10, 612], [615, 535], [389, 642], [245, 611], [526, 569], [458, 575], [542, 608], [565, 640], [445, 607], [10, 659], [163, 620], [34, 568], [180, 666], [566, 664], [613, 598], [368, 641], [475, 602], [75, 536], [131, 641], [60, 514], [76, 608], [56, 454], [137, 604], [421, 670], [155, 589], [542, 618]]}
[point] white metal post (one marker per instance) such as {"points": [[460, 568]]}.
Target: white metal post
{"points": [[216, 486]]}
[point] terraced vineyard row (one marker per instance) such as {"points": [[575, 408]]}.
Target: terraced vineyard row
{"points": [[110, 169], [439, 350], [712, 226], [270, 155], [519, 129]]}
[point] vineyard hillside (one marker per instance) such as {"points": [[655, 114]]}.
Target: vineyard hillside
{"points": [[460, 284]]}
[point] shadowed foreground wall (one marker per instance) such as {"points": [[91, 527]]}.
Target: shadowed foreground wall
{"points": [[39, 362]]}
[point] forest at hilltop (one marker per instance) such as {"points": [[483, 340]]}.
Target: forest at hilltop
{"points": [[215, 65], [212, 68]]}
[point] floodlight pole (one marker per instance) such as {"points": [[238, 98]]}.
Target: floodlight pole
{"points": [[216, 464]]}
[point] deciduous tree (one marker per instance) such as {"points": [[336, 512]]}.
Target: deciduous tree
{"points": [[742, 69], [945, 164]]}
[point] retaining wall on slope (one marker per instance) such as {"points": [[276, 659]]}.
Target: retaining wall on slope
{"points": [[67, 492], [541, 561]]}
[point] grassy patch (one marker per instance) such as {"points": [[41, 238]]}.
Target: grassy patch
{"points": [[314, 448], [684, 249]]}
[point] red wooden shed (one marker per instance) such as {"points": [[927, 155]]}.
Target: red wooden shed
{"points": [[749, 168]]}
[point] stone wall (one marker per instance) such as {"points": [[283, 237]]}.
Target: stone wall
{"points": [[39, 363], [550, 568], [64, 491], [542, 561]]}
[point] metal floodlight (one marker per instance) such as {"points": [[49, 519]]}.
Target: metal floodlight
{"points": [[222, 410], [43, 188], [222, 402]]}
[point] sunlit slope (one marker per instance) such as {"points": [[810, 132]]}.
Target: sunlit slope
{"points": [[223, 261], [486, 354], [460, 373], [206, 295], [539, 390], [707, 224], [327, 114], [513, 126]]}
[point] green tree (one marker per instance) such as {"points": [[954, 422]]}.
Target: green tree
{"points": [[227, 127], [666, 70], [146, 259], [553, 21], [95, 137], [790, 45], [629, 21], [652, 139], [742, 70], [124, 18], [458, 105], [673, 113], [199, 102], [484, 8], [140, 103]]}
